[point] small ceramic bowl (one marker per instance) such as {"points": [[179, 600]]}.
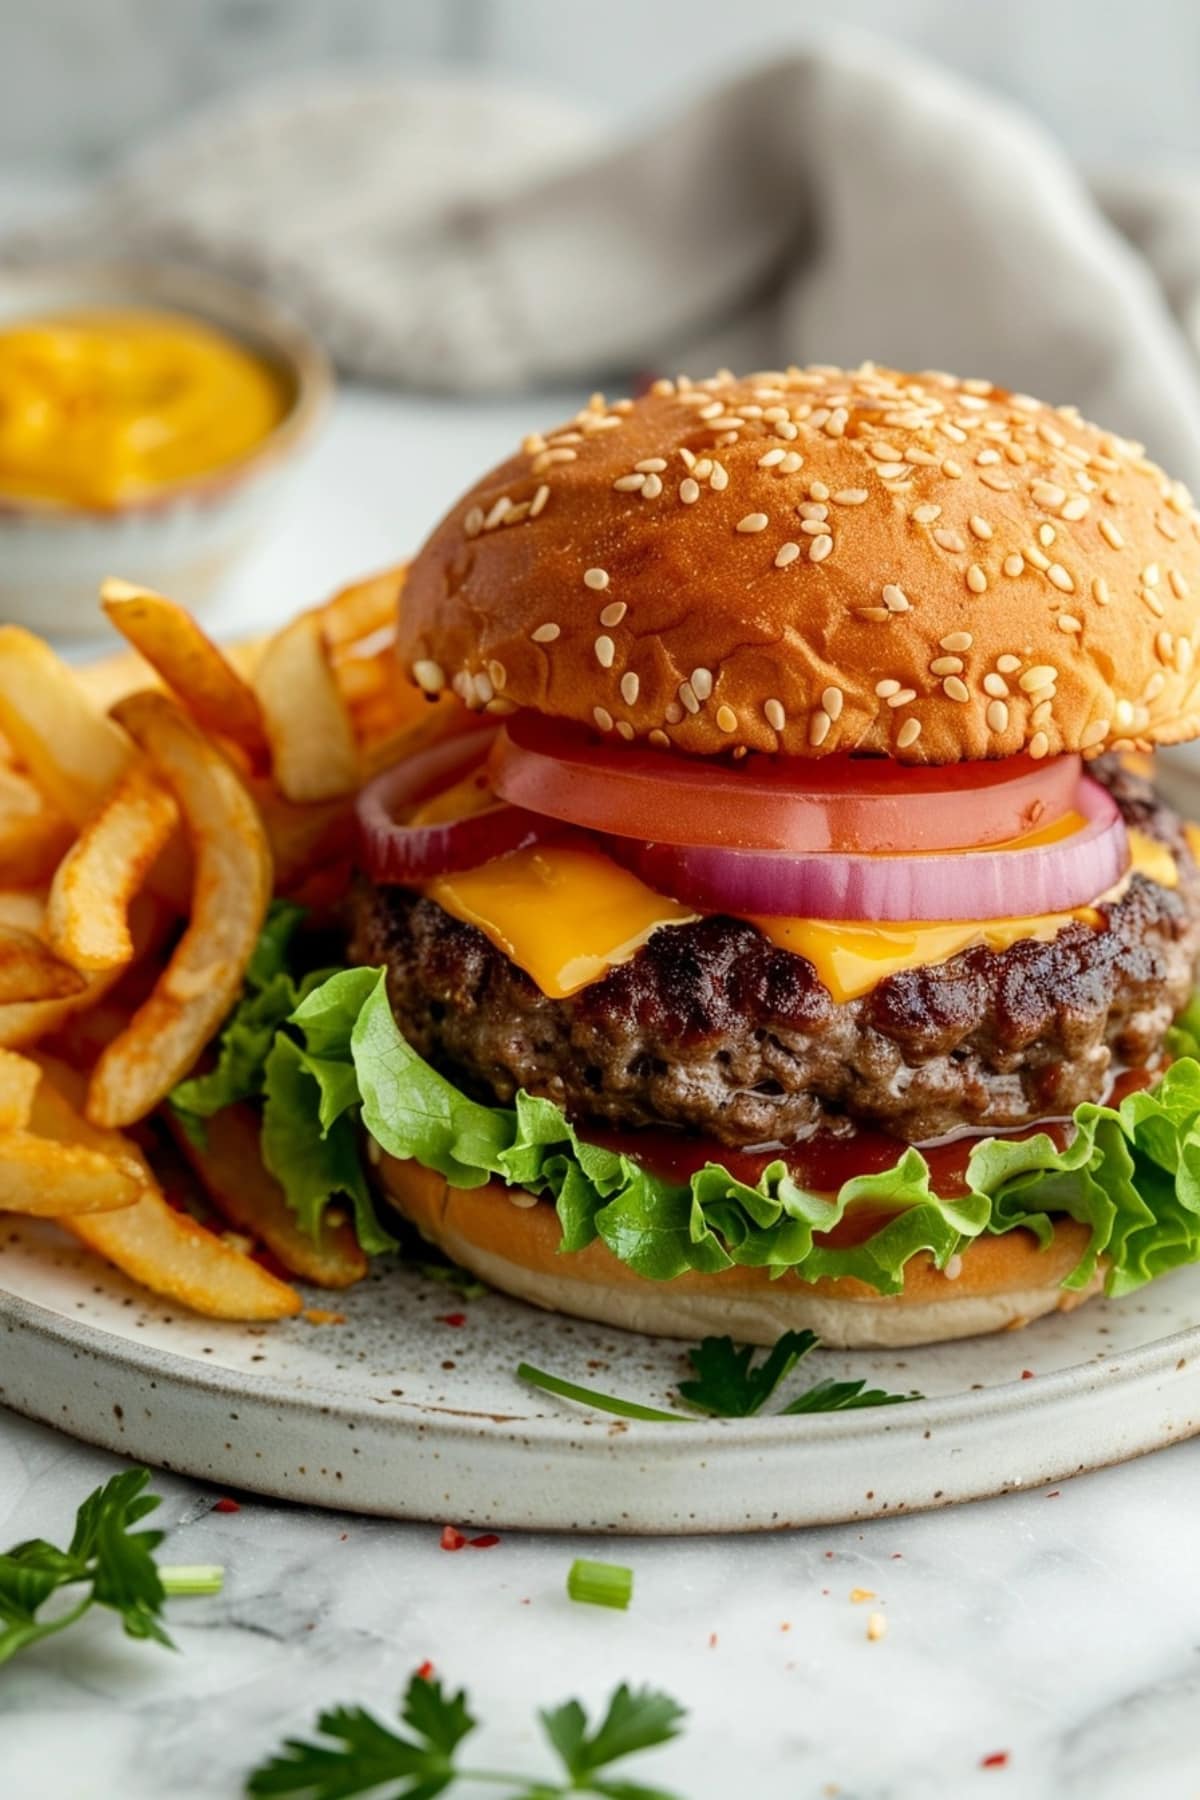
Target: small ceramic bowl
{"points": [[184, 537]]}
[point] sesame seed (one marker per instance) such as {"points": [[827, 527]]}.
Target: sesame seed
{"points": [[987, 456], [1153, 602], [1015, 564], [1076, 508], [726, 718], [876, 614], [651, 465], [703, 469], [1041, 712], [895, 599], [1164, 643], [652, 487], [1008, 664], [1046, 535], [956, 640], [719, 478], [673, 712], [876, 1627], [1037, 557], [1000, 484], [786, 553], [702, 683], [613, 613], [770, 458], [832, 700], [1094, 734], [629, 484], [979, 527], [1068, 622], [885, 452], [1048, 493], [951, 468], [1124, 714], [925, 515], [498, 673], [850, 496], [818, 491], [1111, 535], [1150, 574], [891, 471], [997, 715], [689, 491], [908, 733], [1179, 586], [687, 456], [774, 714], [483, 687], [473, 523], [659, 739], [1100, 593], [949, 540], [497, 513], [946, 665], [545, 634], [1039, 676], [996, 686], [430, 676], [955, 689], [791, 462], [885, 689], [1039, 744], [688, 695], [605, 651], [902, 698], [821, 548], [1183, 654], [818, 728], [539, 500], [603, 717], [976, 579], [625, 730], [629, 687], [1061, 579], [752, 522], [596, 578]]}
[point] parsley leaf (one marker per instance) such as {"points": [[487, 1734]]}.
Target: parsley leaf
{"points": [[362, 1755], [728, 1381], [114, 1563], [729, 1384]]}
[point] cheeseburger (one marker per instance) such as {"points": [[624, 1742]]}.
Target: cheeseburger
{"points": [[793, 934]]}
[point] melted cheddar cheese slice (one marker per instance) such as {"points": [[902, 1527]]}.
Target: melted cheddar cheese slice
{"points": [[567, 914]]}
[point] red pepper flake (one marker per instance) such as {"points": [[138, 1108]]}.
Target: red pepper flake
{"points": [[897, 1556], [1027, 1375], [452, 1538], [997, 1760], [1054, 1494], [425, 1672], [712, 1640], [488, 1541], [454, 1319], [225, 1505]]}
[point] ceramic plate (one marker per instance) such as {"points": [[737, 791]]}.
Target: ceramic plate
{"points": [[410, 1407]]}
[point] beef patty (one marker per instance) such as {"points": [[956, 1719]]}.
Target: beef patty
{"points": [[712, 1027]]}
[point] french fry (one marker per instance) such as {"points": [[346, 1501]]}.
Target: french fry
{"points": [[166, 1251], [33, 838], [364, 608], [56, 1167], [19, 1078], [232, 891], [30, 970], [303, 838], [313, 747], [72, 752], [196, 671], [87, 915], [230, 1166]]}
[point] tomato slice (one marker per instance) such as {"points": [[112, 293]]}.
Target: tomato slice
{"points": [[838, 803]]}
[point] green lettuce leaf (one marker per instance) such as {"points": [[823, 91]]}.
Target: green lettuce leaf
{"points": [[1130, 1173]]}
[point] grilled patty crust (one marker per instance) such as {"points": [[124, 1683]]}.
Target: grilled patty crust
{"points": [[713, 1028]]}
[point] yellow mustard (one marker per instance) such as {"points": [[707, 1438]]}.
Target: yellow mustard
{"points": [[100, 408]]}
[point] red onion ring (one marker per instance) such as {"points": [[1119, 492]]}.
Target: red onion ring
{"points": [[406, 854], [969, 884]]}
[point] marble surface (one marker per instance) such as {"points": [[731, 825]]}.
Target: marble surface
{"points": [[1061, 1628]]}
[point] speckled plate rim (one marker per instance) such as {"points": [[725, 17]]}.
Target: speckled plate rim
{"points": [[1145, 1363]]}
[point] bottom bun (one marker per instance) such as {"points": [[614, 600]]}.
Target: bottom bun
{"points": [[510, 1240]]}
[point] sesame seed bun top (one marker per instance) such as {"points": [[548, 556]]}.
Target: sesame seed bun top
{"points": [[812, 561]]}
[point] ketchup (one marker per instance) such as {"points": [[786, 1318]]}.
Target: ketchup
{"points": [[826, 1160]]}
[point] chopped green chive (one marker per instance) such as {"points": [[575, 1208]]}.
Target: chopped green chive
{"points": [[600, 1583], [612, 1403], [197, 1578]]}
